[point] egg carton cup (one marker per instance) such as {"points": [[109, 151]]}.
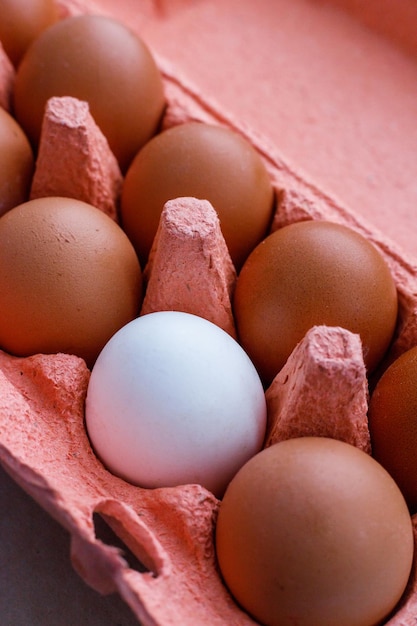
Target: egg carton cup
{"points": [[322, 390]]}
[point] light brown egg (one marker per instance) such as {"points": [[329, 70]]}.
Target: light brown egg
{"points": [[21, 22], [16, 163], [69, 278], [203, 161], [307, 274], [98, 60], [313, 531], [393, 423]]}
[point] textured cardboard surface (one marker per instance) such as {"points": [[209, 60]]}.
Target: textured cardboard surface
{"points": [[325, 124]]}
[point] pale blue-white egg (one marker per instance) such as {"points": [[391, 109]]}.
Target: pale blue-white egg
{"points": [[173, 399]]}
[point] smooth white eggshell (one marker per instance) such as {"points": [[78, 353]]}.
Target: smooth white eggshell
{"points": [[173, 399]]}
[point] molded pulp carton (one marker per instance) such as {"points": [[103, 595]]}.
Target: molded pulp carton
{"points": [[327, 93]]}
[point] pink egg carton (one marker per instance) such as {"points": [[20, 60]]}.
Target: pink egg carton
{"points": [[322, 390]]}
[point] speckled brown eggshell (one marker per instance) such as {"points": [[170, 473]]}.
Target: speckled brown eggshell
{"points": [[16, 163], [21, 21], [307, 274], [203, 161], [98, 60], [69, 278]]}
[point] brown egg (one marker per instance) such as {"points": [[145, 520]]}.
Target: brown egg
{"points": [[69, 278], [21, 22], [393, 423], [98, 60], [313, 531], [206, 162], [307, 274], [17, 163]]}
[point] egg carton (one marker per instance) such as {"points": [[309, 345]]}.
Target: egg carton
{"points": [[322, 389]]}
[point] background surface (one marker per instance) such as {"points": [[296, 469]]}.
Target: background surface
{"points": [[38, 586]]}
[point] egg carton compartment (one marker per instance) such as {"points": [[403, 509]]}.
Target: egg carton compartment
{"points": [[43, 442]]}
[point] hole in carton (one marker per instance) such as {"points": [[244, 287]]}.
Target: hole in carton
{"points": [[107, 535]]}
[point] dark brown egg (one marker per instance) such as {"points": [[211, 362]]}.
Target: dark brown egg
{"points": [[206, 162], [98, 60], [69, 278], [313, 531], [393, 423], [307, 274], [21, 22], [16, 163]]}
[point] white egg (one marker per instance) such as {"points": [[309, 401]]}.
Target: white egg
{"points": [[172, 400]]}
